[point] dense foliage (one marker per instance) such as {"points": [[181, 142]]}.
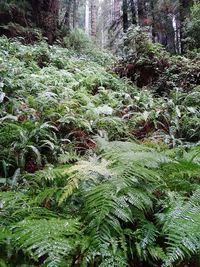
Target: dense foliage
{"points": [[193, 27], [148, 64], [94, 171]]}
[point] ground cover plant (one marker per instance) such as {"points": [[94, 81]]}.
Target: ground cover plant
{"points": [[94, 171]]}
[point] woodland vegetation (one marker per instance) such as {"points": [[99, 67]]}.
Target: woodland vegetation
{"points": [[100, 133]]}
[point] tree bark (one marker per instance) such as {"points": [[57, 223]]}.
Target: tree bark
{"points": [[153, 28], [45, 15], [142, 12], [75, 7], [133, 12], [93, 18], [87, 17], [66, 20], [125, 15], [116, 10]]}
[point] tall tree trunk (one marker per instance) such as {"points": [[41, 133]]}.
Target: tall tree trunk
{"points": [[75, 7], [142, 12], [125, 15], [116, 10], [171, 36], [66, 20], [45, 14], [153, 28], [185, 6], [93, 18], [87, 17], [133, 12]]}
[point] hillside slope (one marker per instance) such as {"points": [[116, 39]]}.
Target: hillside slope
{"points": [[93, 170]]}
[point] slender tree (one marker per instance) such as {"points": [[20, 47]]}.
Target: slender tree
{"points": [[142, 12]]}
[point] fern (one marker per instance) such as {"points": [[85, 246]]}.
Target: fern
{"points": [[182, 229], [84, 171], [146, 241], [54, 239], [128, 203], [126, 152]]}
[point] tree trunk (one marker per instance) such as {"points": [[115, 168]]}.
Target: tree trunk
{"points": [[93, 18], [125, 15], [66, 20], [45, 15], [185, 6], [75, 7], [87, 17], [153, 30], [142, 12], [133, 12], [116, 10], [171, 36]]}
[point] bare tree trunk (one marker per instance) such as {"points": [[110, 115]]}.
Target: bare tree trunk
{"points": [[87, 17], [171, 36], [185, 6], [93, 18], [153, 30], [75, 7], [133, 11], [116, 10], [125, 15], [66, 20], [141, 12], [45, 13]]}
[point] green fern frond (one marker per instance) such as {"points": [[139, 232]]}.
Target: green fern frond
{"points": [[182, 230], [54, 239], [181, 175], [126, 153], [146, 244], [11, 202]]}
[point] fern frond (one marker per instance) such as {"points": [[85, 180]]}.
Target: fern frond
{"points": [[54, 239], [10, 203], [126, 153], [84, 171], [182, 175], [182, 230]]}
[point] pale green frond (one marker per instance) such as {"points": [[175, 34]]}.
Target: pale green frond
{"points": [[83, 171]]}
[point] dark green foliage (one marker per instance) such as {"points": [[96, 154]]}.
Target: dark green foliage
{"points": [[193, 27], [148, 64]]}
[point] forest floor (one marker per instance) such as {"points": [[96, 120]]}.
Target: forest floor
{"points": [[68, 127]]}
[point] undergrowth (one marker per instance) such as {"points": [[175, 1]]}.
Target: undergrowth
{"points": [[93, 170]]}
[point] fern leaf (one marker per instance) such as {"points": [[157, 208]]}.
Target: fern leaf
{"points": [[54, 239]]}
